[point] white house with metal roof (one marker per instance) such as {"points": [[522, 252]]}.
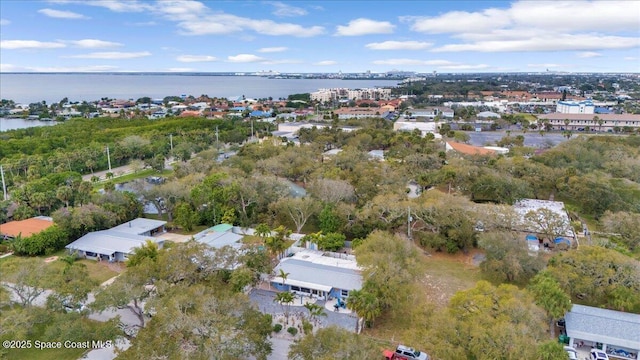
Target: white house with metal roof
{"points": [[220, 236], [616, 333], [117, 243], [318, 274]]}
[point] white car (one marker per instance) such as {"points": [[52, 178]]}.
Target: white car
{"points": [[405, 352], [597, 354], [571, 352]]}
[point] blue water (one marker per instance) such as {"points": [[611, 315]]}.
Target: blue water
{"points": [[12, 124], [29, 88]]}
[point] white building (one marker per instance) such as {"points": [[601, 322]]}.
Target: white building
{"points": [[575, 107], [424, 127], [329, 95]]}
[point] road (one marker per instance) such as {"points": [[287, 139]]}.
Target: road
{"points": [[122, 170]]}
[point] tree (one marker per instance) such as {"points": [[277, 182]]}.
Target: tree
{"points": [[390, 267], [626, 224], [263, 231], [547, 222], [315, 310], [331, 241], [366, 305], [147, 252], [334, 343], [285, 299], [277, 242], [550, 296], [65, 194], [185, 217], [298, 209], [491, 323], [332, 191], [330, 220], [26, 278], [507, 258]]}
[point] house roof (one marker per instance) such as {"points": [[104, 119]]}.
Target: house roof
{"points": [[605, 117], [138, 226], [315, 270], [469, 149], [108, 242], [604, 326], [25, 228], [219, 236]]}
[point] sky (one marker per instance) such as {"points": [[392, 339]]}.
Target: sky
{"points": [[319, 36]]}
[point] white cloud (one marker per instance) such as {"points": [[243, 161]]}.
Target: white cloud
{"points": [[29, 44], [59, 14], [94, 43], [558, 42], [194, 18], [112, 55], [196, 58], [546, 66], [118, 5], [8, 68], [4, 22], [440, 64], [282, 9], [588, 54], [272, 49], [398, 45], [578, 25], [464, 67], [414, 62], [364, 26], [96, 68], [245, 58], [325, 63], [282, 61]]}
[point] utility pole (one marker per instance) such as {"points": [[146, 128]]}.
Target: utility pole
{"points": [[108, 158], [409, 222], [4, 185], [171, 141], [217, 140], [251, 129]]}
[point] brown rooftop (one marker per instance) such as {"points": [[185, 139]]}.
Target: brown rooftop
{"points": [[25, 228]]}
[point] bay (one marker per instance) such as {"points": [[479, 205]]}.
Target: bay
{"points": [[13, 124], [26, 88]]}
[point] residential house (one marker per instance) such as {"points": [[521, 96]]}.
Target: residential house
{"points": [[318, 274], [117, 243]]}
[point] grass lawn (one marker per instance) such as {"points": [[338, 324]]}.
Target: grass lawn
{"points": [[126, 178], [99, 271], [447, 274]]}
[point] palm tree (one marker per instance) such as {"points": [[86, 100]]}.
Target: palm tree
{"points": [[284, 276], [315, 310], [365, 304], [277, 243], [285, 299], [596, 119], [262, 230]]}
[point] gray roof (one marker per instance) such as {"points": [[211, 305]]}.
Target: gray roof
{"points": [[326, 275], [605, 326], [108, 242], [138, 226], [220, 239]]}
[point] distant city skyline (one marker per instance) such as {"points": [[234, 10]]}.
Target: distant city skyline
{"points": [[319, 36]]}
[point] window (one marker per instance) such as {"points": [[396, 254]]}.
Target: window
{"points": [[344, 293]]}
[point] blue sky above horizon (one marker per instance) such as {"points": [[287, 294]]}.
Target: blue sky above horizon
{"points": [[319, 36]]}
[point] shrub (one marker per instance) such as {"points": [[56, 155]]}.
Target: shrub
{"points": [[307, 327], [293, 331], [277, 328]]}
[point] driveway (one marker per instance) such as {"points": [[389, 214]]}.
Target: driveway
{"points": [[263, 299]]}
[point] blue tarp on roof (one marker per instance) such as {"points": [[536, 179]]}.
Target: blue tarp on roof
{"points": [[258, 113]]}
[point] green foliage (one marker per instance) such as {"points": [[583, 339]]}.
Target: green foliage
{"points": [[331, 241], [507, 258], [277, 328], [147, 252], [329, 220], [293, 331], [549, 295], [334, 343], [185, 216], [43, 243], [307, 327], [599, 277]]}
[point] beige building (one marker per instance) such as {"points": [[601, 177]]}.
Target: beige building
{"points": [[594, 122]]}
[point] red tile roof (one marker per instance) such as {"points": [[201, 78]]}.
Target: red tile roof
{"points": [[25, 227]]}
